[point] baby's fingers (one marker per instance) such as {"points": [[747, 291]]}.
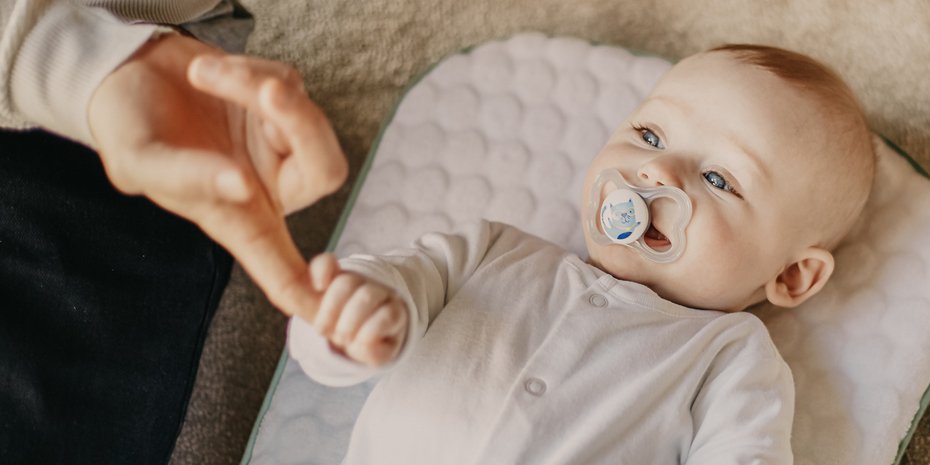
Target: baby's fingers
{"points": [[358, 309], [323, 268], [379, 340], [337, 294], [388, 322]]}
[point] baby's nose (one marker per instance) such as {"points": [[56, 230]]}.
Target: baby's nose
{"points": [[660, 171]]}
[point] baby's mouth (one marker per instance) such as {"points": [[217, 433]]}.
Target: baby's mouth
{"points": [[656, 240]]}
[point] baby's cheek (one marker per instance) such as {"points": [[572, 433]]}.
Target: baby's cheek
{"points": [[720, 265]]}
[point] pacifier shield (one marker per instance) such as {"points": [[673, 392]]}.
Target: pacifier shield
{"points": [[624, 216]]}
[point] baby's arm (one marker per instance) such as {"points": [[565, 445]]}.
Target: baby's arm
{"points": [[743, 415], [419, 279]]}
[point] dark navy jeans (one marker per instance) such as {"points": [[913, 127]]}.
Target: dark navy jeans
{"points": [[104, 305]]}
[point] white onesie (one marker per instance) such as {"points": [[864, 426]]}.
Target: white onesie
{"points": [[521, 353]]}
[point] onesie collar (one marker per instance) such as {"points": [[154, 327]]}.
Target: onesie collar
{"points": [[630, 292]]}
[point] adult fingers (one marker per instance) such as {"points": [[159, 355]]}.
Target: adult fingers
{"points": [[316, 165], [259, 239], [274, 137], [238, 78], [292, 123], [214, 192], [265, 159]]}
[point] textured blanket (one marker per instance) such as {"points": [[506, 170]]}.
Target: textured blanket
{"points": [[356, 58]]}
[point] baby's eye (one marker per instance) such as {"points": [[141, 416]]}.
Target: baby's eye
{"points": [[716, 179], [719, 182], [649, 137], [652, 139]]}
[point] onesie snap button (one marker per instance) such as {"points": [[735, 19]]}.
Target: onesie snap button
{"points": [[535, 386], [597, 300]]}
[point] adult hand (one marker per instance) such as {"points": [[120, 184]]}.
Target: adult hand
{"points": [[231, 143]]}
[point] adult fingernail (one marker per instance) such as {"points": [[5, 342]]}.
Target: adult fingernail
{"points": [[208, 68], [279, 98], [231, 186]]}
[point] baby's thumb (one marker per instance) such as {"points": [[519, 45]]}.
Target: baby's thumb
{"points": [[323, 268]]}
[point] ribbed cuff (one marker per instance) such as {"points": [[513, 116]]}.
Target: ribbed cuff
{"points": [[63, 60]]}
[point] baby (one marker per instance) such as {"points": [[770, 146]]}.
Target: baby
{"points": [[497, 347]]}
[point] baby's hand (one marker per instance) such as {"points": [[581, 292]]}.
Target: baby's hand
{"points": [[361, 318]]}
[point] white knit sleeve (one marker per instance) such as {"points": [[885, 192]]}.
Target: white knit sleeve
{"points": [[54, 54], [744, 412]]}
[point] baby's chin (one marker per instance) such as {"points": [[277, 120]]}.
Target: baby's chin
{"points": [[638, 270], [621, 262]]}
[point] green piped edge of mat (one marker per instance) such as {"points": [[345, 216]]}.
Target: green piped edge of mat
{"points": [[925, 399]]}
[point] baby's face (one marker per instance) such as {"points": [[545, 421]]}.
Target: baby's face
{"points": [[731, 137]]}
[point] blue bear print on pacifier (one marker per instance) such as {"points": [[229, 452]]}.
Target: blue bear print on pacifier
{"points": [[620, 219], [624, 216]]}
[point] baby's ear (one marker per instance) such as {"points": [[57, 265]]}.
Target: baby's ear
{"points": [[802, 279]]}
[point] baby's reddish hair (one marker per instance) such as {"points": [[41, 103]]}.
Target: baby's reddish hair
{"points": [[802, 71]]}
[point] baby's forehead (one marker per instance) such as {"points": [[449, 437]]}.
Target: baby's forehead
{"points": [[774, 72], [714, 84]]}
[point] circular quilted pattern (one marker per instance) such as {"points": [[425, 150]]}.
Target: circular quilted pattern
{"points": [[506, 131]]}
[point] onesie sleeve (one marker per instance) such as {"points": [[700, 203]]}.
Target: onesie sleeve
{"points": [[55, 53], [425, 276], [744, 412]]}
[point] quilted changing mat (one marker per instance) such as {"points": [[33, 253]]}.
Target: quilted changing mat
{"points": [[505, 131]]}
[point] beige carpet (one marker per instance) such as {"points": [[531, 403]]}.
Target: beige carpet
{"points": [[357, 57]]}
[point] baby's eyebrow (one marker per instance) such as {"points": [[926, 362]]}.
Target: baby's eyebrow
{"points": [[755, 161], [751, 154], [681, 107]]}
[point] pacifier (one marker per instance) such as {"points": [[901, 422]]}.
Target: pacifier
{"points": [[623, 216]]}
